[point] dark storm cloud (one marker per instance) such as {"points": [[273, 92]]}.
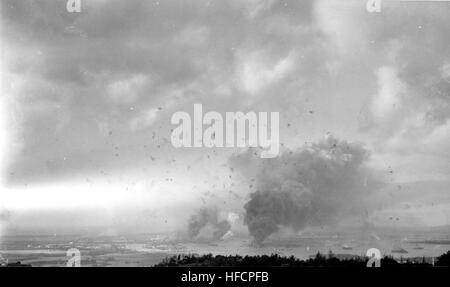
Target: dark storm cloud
{"points": [[88, 90], [119, 68]]}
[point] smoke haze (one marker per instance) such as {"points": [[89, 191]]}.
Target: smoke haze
{"points": [[207, 217]]}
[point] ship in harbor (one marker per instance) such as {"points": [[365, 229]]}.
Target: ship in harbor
{"points": [[397, 248]]}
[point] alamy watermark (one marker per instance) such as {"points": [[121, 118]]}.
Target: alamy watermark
{"points": [[74, 256], [374, 255], [236, 129], [73, 6], [373, 6]]}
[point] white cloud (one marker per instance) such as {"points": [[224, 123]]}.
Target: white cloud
{"points": [[340, 21], [446, 71], [256, 73], [127, 91], [439, 138], [144, 120], [103, 128], [192, 36], [390, 90], [254, 7]]}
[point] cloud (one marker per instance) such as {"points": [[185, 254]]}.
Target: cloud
{"points": [[128, 90], [192, 37], [336, 19], [144, 120], [390, 93], [446, 71], [255, 7], [255, 73]]}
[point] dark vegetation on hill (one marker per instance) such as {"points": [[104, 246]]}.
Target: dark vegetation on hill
{"points": [[274, 260]]}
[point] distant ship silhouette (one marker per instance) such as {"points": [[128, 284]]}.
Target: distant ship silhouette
{"points": [[418, 247], [397, 248]]}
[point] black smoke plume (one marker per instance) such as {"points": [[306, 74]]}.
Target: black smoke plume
{"points": [[317, 185]]}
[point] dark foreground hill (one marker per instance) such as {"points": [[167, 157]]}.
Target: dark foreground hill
{"points": [[274, 260]]}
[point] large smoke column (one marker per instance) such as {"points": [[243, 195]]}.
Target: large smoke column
{"points": [[204, 217], [317, 185]]}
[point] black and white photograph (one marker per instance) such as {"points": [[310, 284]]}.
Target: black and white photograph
{"points": [[239, 133]]}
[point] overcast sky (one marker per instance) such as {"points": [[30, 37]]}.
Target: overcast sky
{"points": [[87, 97]]}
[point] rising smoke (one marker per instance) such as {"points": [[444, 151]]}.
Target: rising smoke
{"points": [[207, 217], [317, 185]]}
